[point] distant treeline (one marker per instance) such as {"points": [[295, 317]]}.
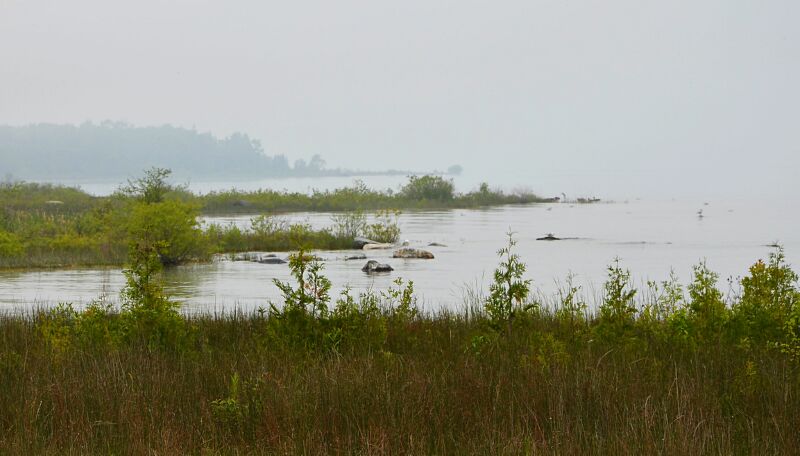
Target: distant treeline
{"points": [[116, 150]]}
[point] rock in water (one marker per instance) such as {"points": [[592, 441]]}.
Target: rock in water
{"points": [[246, 256], [377, 246], [413, 253], [373, 266], [359, 242], [358, 256], [271, 260], [549, 237]]}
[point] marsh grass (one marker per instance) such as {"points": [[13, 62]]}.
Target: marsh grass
{"points": [[424, 390], [665, 371]]}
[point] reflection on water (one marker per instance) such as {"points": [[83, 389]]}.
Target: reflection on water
{"points": [[649, 237]]}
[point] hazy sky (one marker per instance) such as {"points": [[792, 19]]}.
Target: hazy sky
{"points": [[663, 97]]}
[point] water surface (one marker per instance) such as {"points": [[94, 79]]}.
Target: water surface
{"points": [[649, 237]]}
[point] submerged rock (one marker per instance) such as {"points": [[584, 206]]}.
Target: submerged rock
{"points": [[373, 266], [413, 253], [245, 256], [358, 256], [359, 242], [549, 237], [436, 244], [377, 246], [271, 260]]}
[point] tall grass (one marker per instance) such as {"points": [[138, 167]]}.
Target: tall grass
{"points": [[649, 372]]}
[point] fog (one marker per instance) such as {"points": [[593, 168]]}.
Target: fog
{"points": [[620, 98]]}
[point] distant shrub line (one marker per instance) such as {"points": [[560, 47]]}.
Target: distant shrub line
{"points": [[44, 225]]}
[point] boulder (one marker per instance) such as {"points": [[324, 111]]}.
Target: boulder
{"points": [[413, 253], [373, 266], [359, 242], [245, 256], [377, 246], [271, 260]]}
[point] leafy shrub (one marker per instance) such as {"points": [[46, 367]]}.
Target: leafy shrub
{"points": [[265, 226], [617, 310], [349, 225], [10, 245], [706, 309], [769, 297], [386, 227], [148, 316], [428, 188], [170, 225]]}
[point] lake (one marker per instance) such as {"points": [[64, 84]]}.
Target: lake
{"points": [[650, 237]]}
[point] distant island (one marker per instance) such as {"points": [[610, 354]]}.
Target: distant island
{"points": [[116, 150]]}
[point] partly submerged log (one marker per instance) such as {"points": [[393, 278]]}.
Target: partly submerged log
{"points": [[549, 237]]}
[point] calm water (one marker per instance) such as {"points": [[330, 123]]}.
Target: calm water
{"points": [[650, 238]]}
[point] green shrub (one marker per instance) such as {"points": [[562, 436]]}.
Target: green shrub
{"points": [[706, 311], [349, 225], [10, 245], [149, 317], [428, 188], [769, 297], [617, 311], [170, 225], [386, 227]]}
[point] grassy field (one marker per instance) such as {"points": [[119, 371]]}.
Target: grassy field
{"points": [[667, 370]]}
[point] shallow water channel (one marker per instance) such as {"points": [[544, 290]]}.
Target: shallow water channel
{"points": [[649, 237]]}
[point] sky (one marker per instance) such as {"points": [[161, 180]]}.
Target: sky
{"points": [[615, 97]]}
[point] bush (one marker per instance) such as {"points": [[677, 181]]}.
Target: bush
{"points": [[428, 188], [349, 225], [10, 245], [386, 227], [170, 225], [769, 297], [617, 310], [707, 313], [149, 317]]}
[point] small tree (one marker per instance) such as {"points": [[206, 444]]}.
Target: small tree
{"points": [[148, 315], [312, 291], [151, 188], [509, 289]]}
